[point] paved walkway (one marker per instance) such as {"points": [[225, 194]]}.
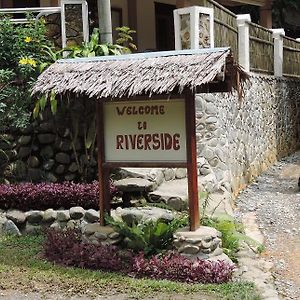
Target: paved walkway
{"points": [[274, 200]]}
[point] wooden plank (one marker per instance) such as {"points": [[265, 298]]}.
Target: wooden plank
{"points": [[102, 175], [192, 171], [158, 164]]}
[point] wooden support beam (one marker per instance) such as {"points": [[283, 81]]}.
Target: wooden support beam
{"points": [[103, 173], [183, 3], [265, 14], [132, 18], [191, 150]]}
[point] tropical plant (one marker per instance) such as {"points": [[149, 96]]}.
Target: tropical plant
{"points": [[80, 113], [151, 237], [21, 54]]}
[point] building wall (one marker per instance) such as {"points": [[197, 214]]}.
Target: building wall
{"points": [[237, 140]]}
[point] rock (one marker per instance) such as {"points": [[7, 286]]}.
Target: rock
{"points": [[11, 228], [24, 152], [35, 175], [90, 229], [33, 162], [34, 216], [77, 212], [60, 169], [46, 127], [48, 165], [51, 177], [137, 214], [72, 224], [17, 216], [176, 203], [24, 140], [135, 185], [189, 249], [63, 215], [46, 138], [55, 225], [70, 177], [49, 215], [73, 167], [47, 152], [63, 145], [91, 216], [180, 173], [63, 158], [32, 229], [169, 174]]}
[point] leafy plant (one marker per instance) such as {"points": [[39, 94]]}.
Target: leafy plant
{"points": [[174, 266], [66, 248], [79, 112], [148, 236], [28, 196], [125, 38], [231, 234], [21, 54]]}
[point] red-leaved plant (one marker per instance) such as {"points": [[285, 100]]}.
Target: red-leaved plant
{"points": [[174, 266], [66, 248], [27, 196]]}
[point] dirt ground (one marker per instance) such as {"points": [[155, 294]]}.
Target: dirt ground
{"points": [[275, 199]]}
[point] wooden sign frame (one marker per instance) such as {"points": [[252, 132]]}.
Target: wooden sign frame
{"points": [[191, 161]]}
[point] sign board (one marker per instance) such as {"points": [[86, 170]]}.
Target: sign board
{"points": [[145, 131]]}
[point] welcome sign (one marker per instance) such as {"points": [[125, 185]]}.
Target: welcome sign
{"points": [[145, 131]]}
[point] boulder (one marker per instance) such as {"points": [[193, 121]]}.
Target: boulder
{"points": [[17, 216], [24, 140], [135, 185], [63, 158], [91, 216], [34, 216], [47, 152], [11, 228], [63, 215], [32, 229], [46, 138], [76, 212], [49, 215]]}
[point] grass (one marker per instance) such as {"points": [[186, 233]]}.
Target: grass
{"points": [[22, 268]]}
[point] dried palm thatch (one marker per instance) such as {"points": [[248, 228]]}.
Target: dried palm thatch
{"points": [[138, 74]]}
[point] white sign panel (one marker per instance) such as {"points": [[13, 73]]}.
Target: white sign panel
{"points": [[145, 131]]}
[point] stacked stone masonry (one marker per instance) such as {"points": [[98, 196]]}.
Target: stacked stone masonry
{"points": [[237, 139]]}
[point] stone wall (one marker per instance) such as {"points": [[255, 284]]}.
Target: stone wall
{"points": [[237, 140]]}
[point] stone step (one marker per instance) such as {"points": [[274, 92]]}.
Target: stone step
{"points": [[175, 194]]}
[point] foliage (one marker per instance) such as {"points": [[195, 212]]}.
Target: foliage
{"points": [[151, 237], [21, 265], [125, 38], [21, 54], [79, 112], [27, 196], [65, 248], [174, 266], [231, 234]]}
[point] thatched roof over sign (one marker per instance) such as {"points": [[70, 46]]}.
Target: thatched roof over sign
{"points": [[140, 74]]}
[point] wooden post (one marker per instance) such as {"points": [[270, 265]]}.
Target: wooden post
{"points": [[191, 149], [183, 3], [102, 173]]}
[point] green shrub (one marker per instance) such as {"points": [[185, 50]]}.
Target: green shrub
{"points": [[21, 53], [151, 237]]}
